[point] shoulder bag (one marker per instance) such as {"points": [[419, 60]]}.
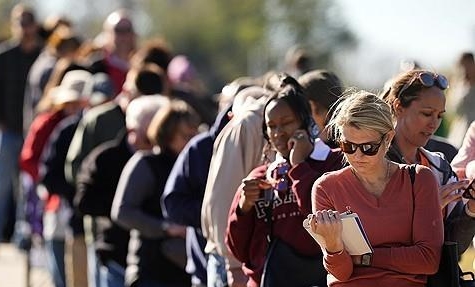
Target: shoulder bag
{"points": [[449, 273], [285, 267]]}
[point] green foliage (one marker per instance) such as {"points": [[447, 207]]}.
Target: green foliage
{"points": [[214, 34], [223, 39], [5, 7]]}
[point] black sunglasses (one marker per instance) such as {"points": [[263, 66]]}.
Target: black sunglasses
{"points": [[428, 80], [369, 149]]}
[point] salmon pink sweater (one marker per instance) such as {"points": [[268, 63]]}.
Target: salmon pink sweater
{"points": [[404, 226]]}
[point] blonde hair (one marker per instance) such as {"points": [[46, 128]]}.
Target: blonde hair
{"points": [[141, 110], [363, 110]]}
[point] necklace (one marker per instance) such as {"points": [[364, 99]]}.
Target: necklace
{"points": [[388, 169], [404, 160], [394, 149], [409, 161], [377, 187]]}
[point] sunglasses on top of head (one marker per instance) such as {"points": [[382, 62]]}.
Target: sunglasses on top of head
{"points": [[369, 149], [427, 79]]}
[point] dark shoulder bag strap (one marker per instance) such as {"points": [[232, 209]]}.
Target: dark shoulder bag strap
{"points": [[269, 206], [270, 240], [446, 276], [412, 175]]}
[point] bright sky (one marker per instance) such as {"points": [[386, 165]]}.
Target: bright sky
{"points": [[432, 32]]}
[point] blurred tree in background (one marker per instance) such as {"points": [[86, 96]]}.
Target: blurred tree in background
{"points": [[223, 39], [227, 39], [5, 6], [216, 35]]}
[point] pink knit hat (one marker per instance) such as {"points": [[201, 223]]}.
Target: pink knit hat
{"points": [[180, 70]]}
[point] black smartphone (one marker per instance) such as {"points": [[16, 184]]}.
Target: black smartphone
{"points": [[466, 193]]}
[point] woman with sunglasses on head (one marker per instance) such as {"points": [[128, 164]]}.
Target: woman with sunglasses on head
{"points": [[417, 103], [274, 198], [402, 219]]}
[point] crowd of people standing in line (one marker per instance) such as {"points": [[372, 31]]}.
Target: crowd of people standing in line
{"points": [[118, 162]]}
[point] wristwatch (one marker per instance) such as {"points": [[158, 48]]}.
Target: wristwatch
{"points": [[366, 259]]}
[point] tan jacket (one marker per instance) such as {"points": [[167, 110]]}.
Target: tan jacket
{"points": [[237, 150]]}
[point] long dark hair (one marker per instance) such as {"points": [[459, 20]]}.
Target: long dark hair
{"points": [[292, 93], [411, 92]]}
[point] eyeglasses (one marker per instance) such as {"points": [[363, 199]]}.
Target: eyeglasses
{"points": [[369, 149], [428, 80]]}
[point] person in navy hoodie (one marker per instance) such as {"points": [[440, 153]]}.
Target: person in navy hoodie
{"points": [[183, 195]]}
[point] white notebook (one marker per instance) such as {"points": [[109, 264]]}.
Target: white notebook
{"points": [[354, 237]]}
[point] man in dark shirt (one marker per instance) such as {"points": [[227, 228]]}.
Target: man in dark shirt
{"points": [[97, 181], [16, 57]]}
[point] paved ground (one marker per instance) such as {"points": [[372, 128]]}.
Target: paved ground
{"points": [[13, 268]]}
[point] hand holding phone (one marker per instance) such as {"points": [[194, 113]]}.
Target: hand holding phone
{"points": [[300, 147], [467, 193]]}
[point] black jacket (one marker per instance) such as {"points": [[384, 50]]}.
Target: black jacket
{"points": [[96, 185]]}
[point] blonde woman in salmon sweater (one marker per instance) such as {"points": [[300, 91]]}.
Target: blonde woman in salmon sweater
{"points": [[402, 220]]}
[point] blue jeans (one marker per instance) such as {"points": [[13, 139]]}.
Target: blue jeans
{"points": [[10, 147], [112, 274], [151, 283], [216, 269], [55, 254], [93, 271], [93, 267]]}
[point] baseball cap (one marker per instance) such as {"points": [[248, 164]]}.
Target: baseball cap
{"points": [[75, 86], [102, 89]]}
